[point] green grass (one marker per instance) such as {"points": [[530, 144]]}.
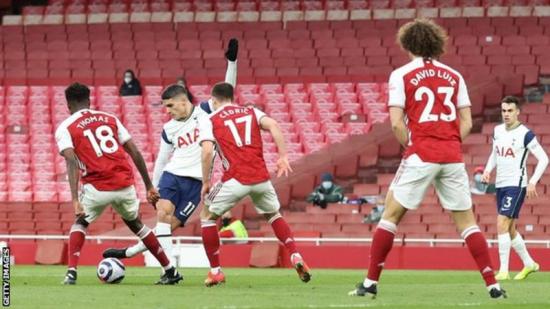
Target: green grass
{"points": [[39, 287]]}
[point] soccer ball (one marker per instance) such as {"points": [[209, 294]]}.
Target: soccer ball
{"points": [[110, 270]]}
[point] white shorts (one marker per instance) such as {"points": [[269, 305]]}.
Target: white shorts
{"points": [[225, 195], [415, 176], [94, 202]]}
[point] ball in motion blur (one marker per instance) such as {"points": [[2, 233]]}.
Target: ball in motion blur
{"points": [[110, 270]]}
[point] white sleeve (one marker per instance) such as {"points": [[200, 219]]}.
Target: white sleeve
{"points": [[205, 131], [536, 149], [163, 157], [123, 134], [259, 115], [63, 139], [491, 162], [462, 97], [231, 73], [396, 89]]}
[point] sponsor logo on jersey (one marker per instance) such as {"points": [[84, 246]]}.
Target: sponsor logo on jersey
{"points": [[505, 152]]}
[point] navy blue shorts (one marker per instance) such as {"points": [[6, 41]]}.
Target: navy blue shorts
{"points": [[510, 200], [183, 192]]}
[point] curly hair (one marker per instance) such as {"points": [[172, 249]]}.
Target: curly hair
{"points": [[423, 38]]}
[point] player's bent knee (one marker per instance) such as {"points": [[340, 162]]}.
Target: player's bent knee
{"points": [[81, 221], [503, 224], [393, 210], [270, 216], [134, 225], [164, 216]]}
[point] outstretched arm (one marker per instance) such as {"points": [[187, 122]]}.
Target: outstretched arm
{"points": [[137, 158], [399, 128], [207, 156], [491, 164], [465, 114], [542, 158], [73, 172], [269, 124], [231, 55], [163, 157]]}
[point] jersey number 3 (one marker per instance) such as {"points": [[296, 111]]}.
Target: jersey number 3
{"points": [[102, 140], [427, 115], [247, 120]]}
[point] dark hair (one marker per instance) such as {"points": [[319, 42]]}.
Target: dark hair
{"points": [[510, 99], [423, 38], [77, 93], [223, 91], [131, 72], [173, 91], [184, 84]]}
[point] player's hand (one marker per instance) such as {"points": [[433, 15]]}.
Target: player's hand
{"points": [[232, 50], [78, 209], [153, 196], [283, 167], [486, 177], [205, 191], [531, 191]]}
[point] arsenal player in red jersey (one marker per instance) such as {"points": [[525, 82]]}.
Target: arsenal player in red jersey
{"points": [[94, 145], [236, 131], [430, 116]]}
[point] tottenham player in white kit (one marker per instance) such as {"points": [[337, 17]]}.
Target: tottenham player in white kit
{"points": [[177, 173], [512, 142]]}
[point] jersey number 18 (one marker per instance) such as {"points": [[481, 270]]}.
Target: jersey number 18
{"points": [[105, 136]]}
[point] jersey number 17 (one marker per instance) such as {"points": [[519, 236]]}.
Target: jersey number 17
{"points": [[231, 123]]}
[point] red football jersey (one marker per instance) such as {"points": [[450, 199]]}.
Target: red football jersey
{"points": [[237, 132], [97, 140], [430, 94]]}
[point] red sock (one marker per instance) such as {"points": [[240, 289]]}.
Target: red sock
{"points": [[76, 241], [382, 242], [283, 233], [211, 242], [480, 252], [151, 242]]}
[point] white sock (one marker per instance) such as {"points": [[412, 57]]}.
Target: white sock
{"points": [[496, 286], [519, 246], [163, 231], [504, 243], [135, 249], [367, 282], [215, 270]]}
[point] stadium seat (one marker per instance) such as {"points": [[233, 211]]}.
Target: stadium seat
{"points": [[50, 252], [264, 255]]}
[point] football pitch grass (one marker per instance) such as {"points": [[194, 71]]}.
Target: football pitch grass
{"points": [[39, 287]]}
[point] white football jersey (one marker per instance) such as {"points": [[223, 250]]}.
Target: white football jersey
{"points": [[180, 139], [510, 151]]}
